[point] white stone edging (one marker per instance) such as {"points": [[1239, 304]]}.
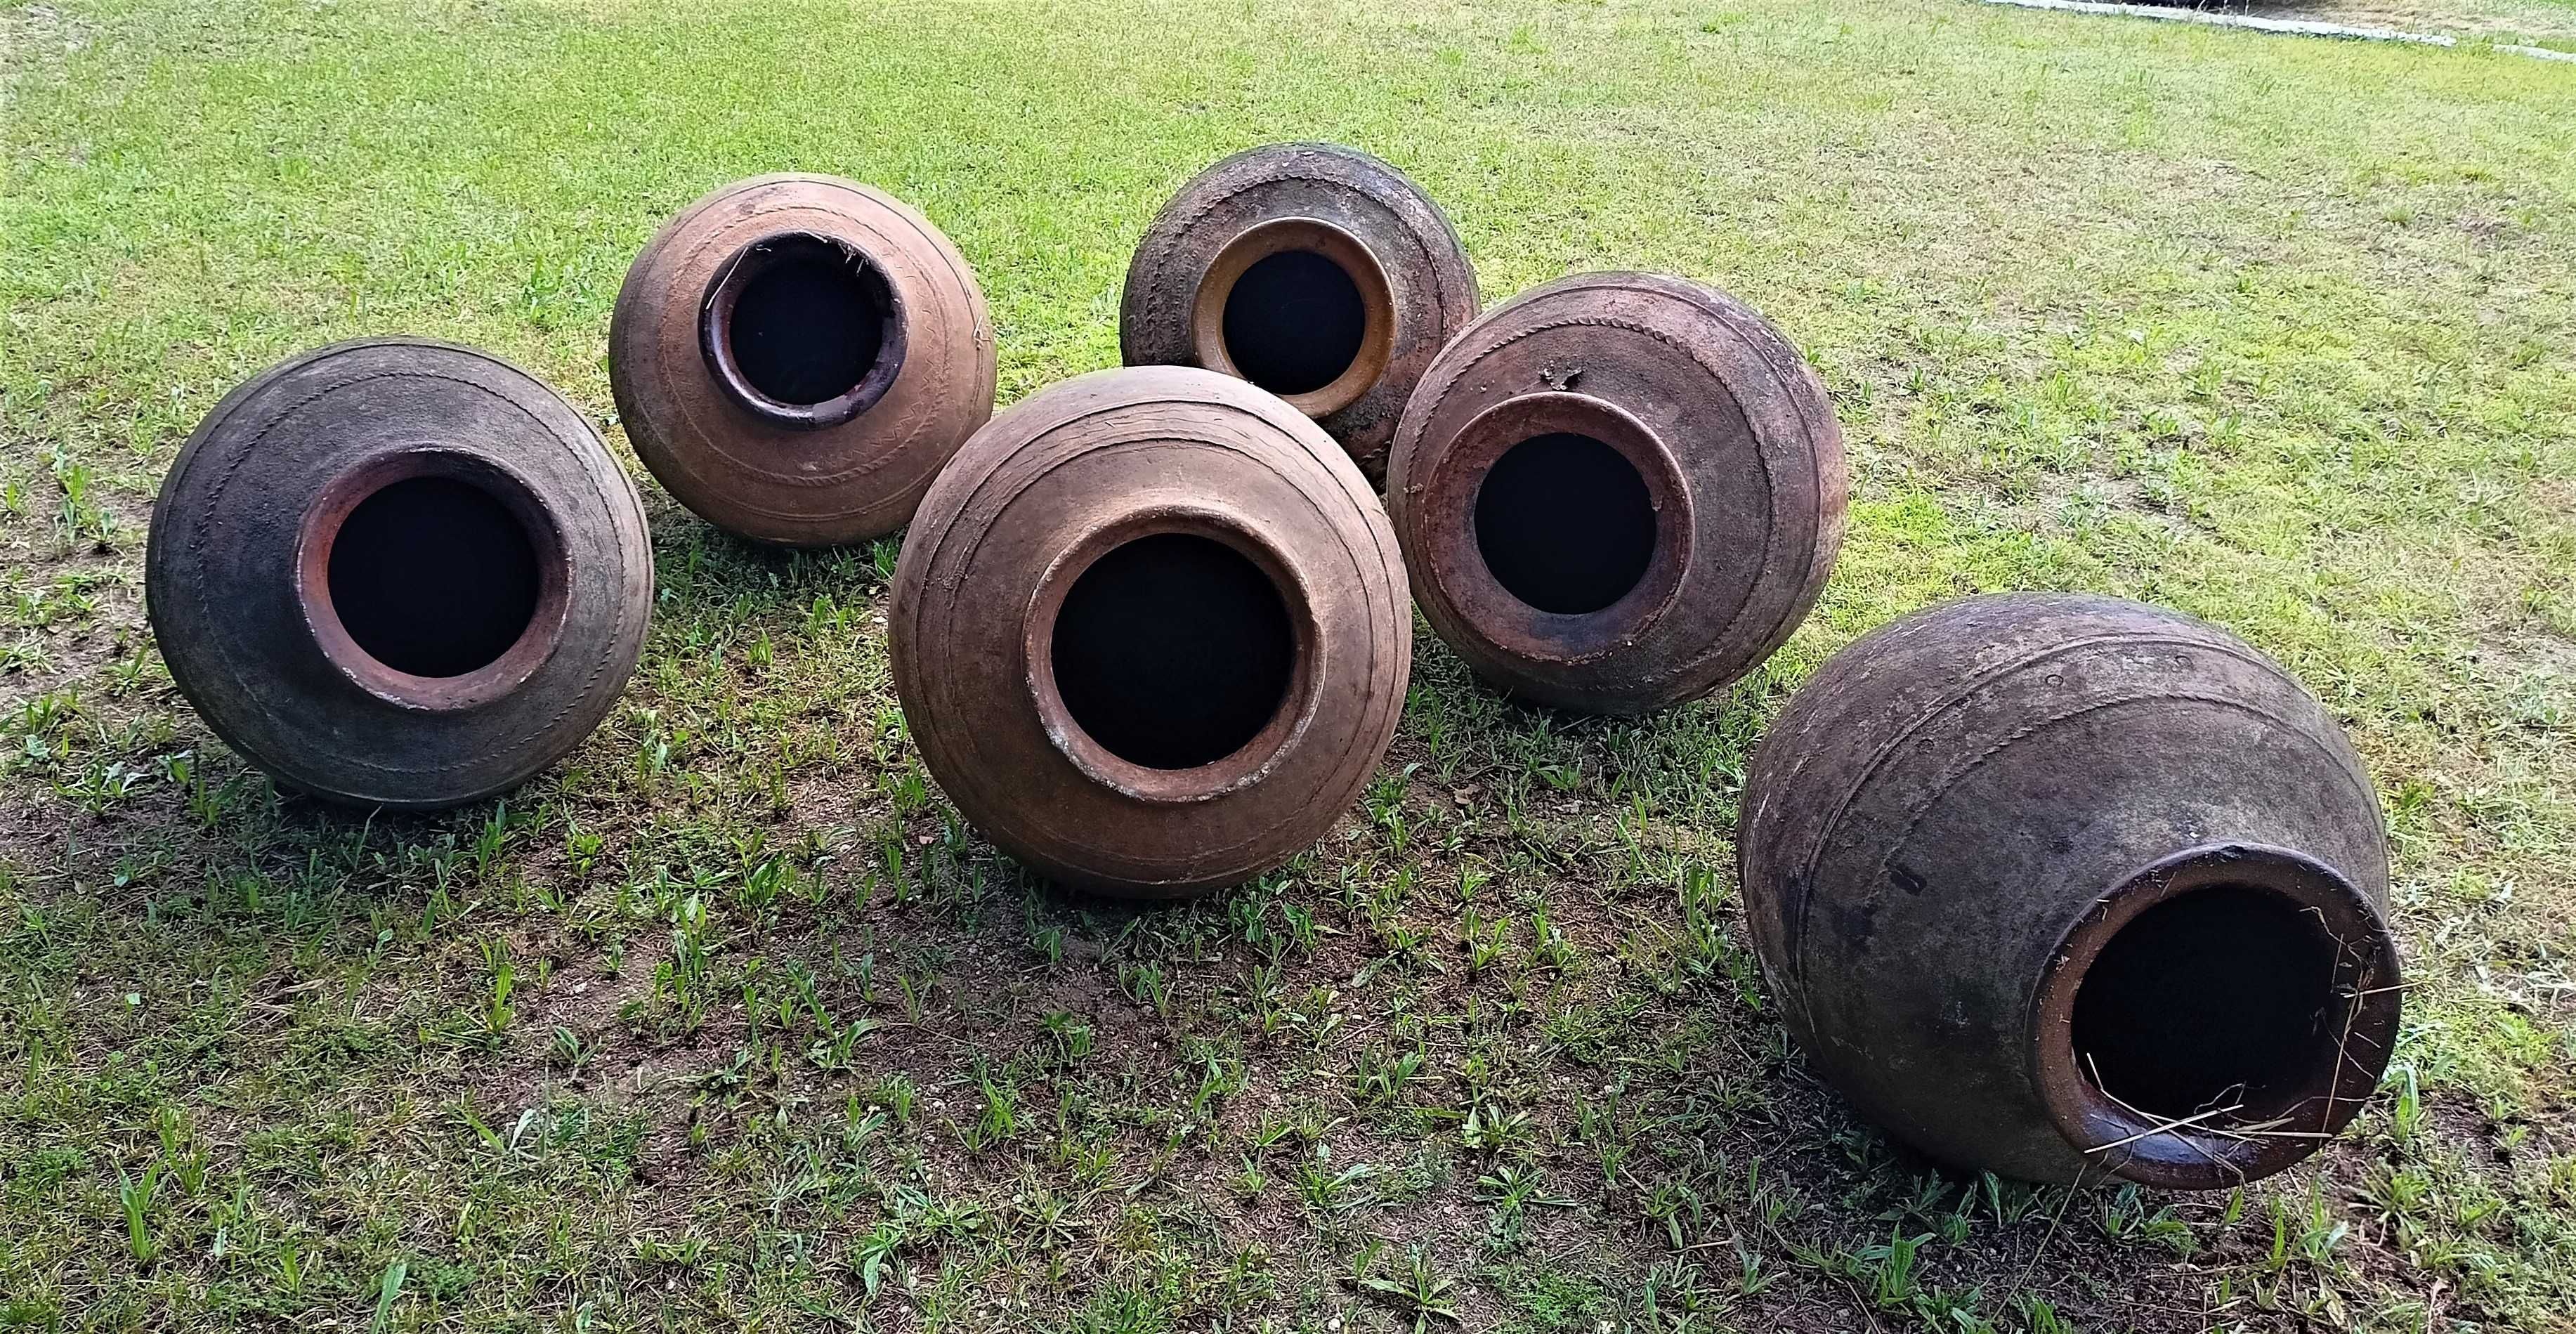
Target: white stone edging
{"points": [[2292, 27]]}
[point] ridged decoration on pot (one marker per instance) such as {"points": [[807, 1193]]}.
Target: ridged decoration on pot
{"points": [[2070, 887], [398, 573], [1315, 271], [1149, 630], [1618, 491], [796, 356]]}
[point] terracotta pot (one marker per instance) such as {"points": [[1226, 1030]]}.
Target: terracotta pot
{"points": [[398, 573], [795, 357], [1617, 492], [1315, 271], [1150, 632], [2060, 886]]}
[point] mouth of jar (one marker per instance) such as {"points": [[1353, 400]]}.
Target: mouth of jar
{"points": [[432, 578], [1558, 525], [1564, 522], [802, 331], [2216, 1017], [1299, 307], [1172, 654]]}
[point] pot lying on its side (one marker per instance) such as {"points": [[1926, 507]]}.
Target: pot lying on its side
{"points": [[1618, 491], [2067, 887], [1316, 272], [1150, 631], [398, 573], [796, 356]]}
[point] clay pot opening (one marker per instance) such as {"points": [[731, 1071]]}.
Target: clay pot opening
{"points": [[1300, 308], [2215, 1016], [2224, 997], [802, 331], [1171, 655], [1565, 523], [1559, 526], [1293, 322], [432, 579], [1173, 651]]}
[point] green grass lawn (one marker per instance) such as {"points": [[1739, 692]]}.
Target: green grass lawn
{"points": [[728, 1023]]}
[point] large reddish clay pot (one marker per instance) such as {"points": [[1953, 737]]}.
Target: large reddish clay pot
{"points": [[1150, 632], [1315, 271], [795, 357], [1617, 492]]}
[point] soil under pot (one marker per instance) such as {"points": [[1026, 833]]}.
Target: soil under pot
{"points": [[1150, 632], [1315, 271], [796, 356], [398, 573], [2066, 887], [1617, 492]]}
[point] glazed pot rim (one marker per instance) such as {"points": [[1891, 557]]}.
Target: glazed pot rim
{"points": [[1444, 501], [1346, 251], [2203, 1152], [319, 530], [1247, 764], [715, 321]]}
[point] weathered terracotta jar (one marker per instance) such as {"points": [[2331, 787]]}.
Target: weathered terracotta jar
{"points": [[1315, 271], [1150, 632], [2062, 886], [398, 573], [795, 357], [1618, 491]]}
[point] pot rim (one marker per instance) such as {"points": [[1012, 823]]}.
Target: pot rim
{"points": [[1249, 763], [1347, 252], [2202, 1152], [351, 487], [715, 325], [1444, 502]]}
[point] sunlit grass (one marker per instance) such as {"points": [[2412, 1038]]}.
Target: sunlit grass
{"points": [[729, 1021]]}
